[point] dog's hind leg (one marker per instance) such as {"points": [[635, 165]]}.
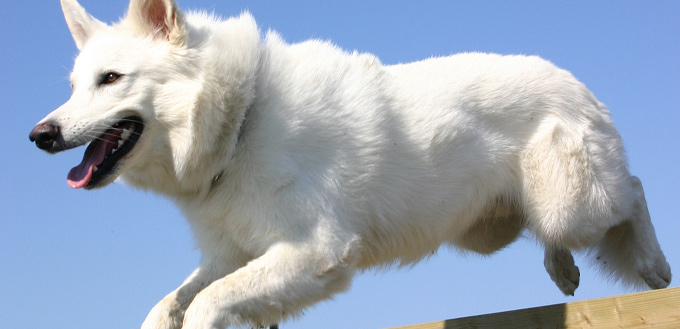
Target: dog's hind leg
{"points": [[576, 189], [560, 266], [630, 251]]}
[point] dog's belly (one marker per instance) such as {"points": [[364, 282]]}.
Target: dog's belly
{"points": [[499, 225]]}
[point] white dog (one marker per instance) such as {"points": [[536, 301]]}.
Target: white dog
{"points": [[299, 165]]}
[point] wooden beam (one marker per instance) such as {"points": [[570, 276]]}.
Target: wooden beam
{"points": [[656, 308]]}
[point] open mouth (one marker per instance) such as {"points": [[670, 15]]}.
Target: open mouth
{"points": [[104, 152]]}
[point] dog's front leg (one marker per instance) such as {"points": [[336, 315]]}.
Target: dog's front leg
{"points": [[285, 279], [169, 312]]}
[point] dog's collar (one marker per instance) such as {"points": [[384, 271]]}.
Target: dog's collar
{"points": [[217, 177], [241, 127]]}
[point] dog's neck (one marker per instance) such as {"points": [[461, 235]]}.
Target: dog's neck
{"points": [[219, 119]]}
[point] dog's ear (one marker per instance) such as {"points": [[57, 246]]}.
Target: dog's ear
{"points": [[160, 18], [81, 24]]}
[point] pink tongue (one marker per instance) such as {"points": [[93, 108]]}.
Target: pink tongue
{"points": [[80, 175]]}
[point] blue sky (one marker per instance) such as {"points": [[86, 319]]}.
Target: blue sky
{"points": [[102, 259]]}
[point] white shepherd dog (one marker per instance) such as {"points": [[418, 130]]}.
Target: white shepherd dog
{"points": [[299, 165]]}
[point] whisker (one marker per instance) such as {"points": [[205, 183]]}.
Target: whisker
{"points": [[132, 120], [132, 132], [100, 137], [107, 128], [100, 132], [164, 124]]}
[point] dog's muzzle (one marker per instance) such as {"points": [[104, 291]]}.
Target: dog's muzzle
{"points": [[103, 154]]}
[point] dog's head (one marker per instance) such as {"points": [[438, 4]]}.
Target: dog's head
{"points": [[116, 82], [131, 82]]}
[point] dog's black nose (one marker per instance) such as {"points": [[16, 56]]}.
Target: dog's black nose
{"points": [[44, 135]]}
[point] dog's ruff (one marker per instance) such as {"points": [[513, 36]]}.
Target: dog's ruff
{"points": [[298, 165]]}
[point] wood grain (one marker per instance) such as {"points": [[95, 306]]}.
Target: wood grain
{"points": [[650, 309]]}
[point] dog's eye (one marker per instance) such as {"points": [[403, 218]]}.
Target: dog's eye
{"points": [[108, 78]]}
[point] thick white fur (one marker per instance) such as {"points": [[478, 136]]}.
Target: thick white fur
{"points": [[297, 165]]}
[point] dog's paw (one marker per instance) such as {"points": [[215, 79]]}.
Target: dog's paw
{"points": [[657, 273], [567, 279], [208, 310], [560, 266], [167, 314]]}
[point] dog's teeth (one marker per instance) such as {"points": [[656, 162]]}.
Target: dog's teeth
{"points": [[95, 169], [126, 134], [120, 143]]}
